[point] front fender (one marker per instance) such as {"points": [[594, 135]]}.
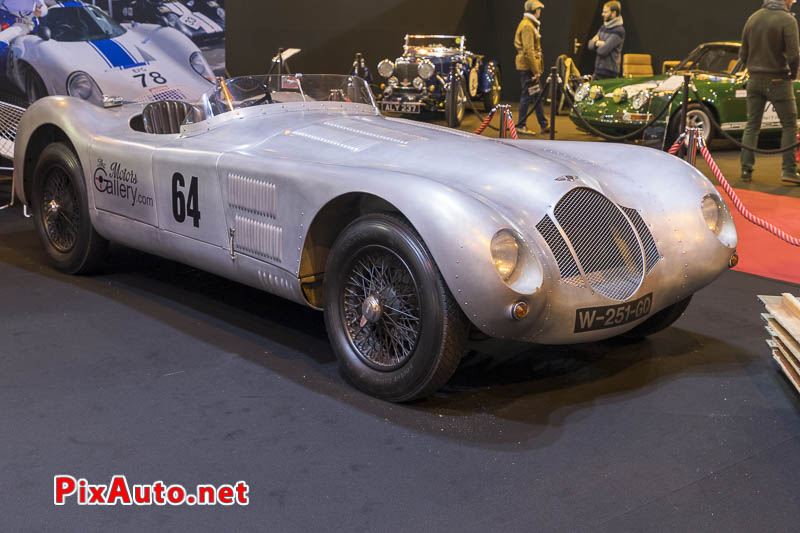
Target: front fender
{"points": [[491, 70], [458, 229]]}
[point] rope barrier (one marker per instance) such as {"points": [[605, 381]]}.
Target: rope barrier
{"points": [[512, 128], [677, 146], [725, 134], [738, 203], [486, 122]]}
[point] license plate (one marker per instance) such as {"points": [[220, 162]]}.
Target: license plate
{"points": [[401, 107], [611, 316]]}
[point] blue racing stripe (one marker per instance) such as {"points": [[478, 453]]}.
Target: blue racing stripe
{"points": [[114, 54]]}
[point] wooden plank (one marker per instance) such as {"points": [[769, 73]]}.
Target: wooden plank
{"points": [[793, 376], [783, 316], [776, 330], [791, 304], [787, 355]]}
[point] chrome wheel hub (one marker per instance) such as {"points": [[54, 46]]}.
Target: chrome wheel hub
{"points": [[371, 310]]}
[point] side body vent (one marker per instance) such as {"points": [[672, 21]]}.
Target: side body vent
{"points": [[256, 197], [259, 239]]}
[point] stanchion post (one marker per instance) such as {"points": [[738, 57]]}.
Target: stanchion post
{"points": [[503, 110], [553, 98], [280, 61], [691, 140], [685, 104]]}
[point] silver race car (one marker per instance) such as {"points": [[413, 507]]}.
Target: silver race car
{"points": [[407, 235], [80, 51]]}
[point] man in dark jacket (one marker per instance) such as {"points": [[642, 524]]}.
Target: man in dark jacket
{"points": [[608, 42], [771, 53]]}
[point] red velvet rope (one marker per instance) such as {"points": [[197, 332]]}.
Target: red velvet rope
{"points": [[740, 206]]}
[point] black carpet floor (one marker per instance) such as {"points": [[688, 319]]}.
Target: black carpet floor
{"points": [[160, 372]]}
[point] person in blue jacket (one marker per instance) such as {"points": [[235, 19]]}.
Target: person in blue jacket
{"points": [[608, 42]]}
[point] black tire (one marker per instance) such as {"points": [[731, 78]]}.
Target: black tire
{"points": [[455, 104], [492, 98], [659, 321], [698, 115], [34, 86], [61, 212], [410, 342]]}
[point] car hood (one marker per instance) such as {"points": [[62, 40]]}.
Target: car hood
{"points": [[522, 180]]}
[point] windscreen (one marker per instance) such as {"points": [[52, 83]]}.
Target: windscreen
{"points": [[434, 45], [714, 59], [80, 23], [250, 91]]}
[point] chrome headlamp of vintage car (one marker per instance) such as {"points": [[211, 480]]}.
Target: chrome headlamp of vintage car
{"points": [[505, 253], [419, 83], [199, 65], [640, 99], [718, 219], [516, 266], [582, 93], [393, 81], [426, 69], [81, 85], [386, 68], [619, 95], [596, 92]]}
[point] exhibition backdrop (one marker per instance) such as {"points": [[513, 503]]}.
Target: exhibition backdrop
{"points": [[330, 32]]}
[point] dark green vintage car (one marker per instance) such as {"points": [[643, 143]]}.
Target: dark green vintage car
{"points": [[620, 106]]}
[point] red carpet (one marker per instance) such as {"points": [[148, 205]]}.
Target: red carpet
{"points": [[760, 252]]}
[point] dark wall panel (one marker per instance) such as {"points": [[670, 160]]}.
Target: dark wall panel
{"points": [[331, 32]]}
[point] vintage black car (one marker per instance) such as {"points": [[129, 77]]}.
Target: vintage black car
{"points": [[438, 73], [196, 25]]}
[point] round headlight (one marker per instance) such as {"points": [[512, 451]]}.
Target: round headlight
{"points": [[582, 93], [426, 69], [419, 83], [596, 92], [505, 253], [713, 212], [198, 64], [641, 99], [385, 68], [619, 95], [83, 86], [393, 81]]}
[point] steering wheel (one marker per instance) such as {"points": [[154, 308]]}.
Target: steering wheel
{"points": [[62, 28], [266, 99]]}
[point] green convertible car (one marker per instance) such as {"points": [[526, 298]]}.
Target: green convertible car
{"points": [[621, 106]]}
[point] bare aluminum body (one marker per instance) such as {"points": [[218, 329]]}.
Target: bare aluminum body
{"points": [[266, 172]]}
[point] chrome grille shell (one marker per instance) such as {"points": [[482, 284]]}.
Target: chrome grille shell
{"points": [[599, 244], [406, 70]]}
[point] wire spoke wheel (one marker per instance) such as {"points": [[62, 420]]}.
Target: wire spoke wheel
{"points": [[60, 210], [382, 308]]}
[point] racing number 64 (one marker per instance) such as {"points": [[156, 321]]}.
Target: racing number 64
{"points": [[185, 204]]}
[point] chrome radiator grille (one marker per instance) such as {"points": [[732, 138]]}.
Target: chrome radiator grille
{"points": [[650, 249], [405, 71], [604, 242]]}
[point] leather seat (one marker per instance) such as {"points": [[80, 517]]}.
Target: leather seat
{"points": [[166, 117], [637, 65]]}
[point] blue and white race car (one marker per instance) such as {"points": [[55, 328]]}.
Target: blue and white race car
{"points": [[78, 50]]}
